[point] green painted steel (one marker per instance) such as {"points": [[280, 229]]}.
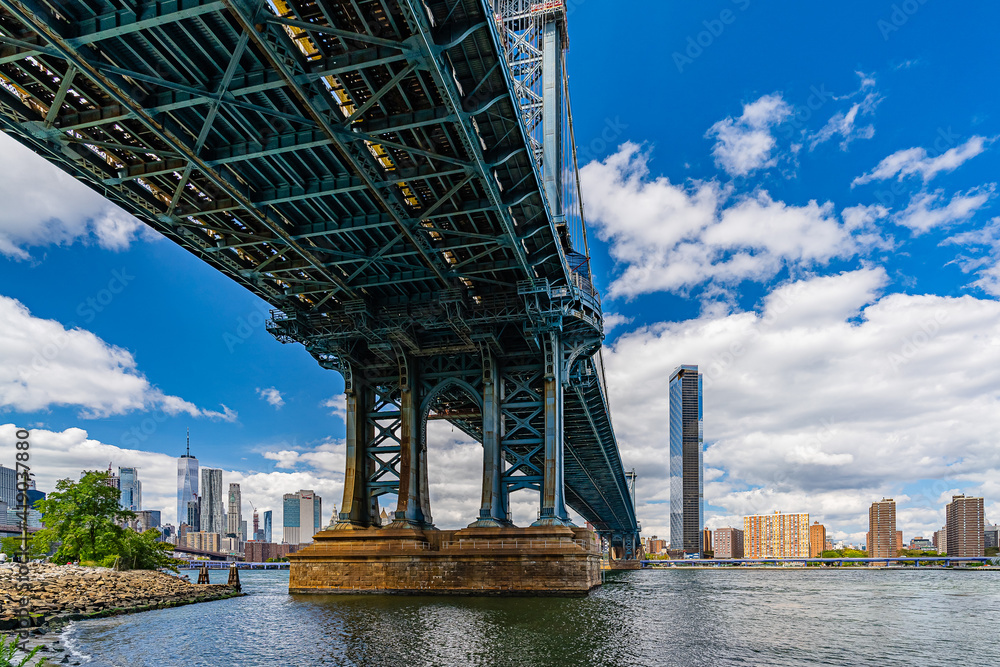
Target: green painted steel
{"points": [[365, 168]]}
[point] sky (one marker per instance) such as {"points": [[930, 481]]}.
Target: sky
{"points": [[800, 198]]}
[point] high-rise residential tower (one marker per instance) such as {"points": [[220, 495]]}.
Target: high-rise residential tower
{"points": [[686, 435], [212, 508], [267, 525], [776, 536], [131, 489], [234, 517], [817, 539], [728, 542], [187, 484], [302, 513], [882, 529], [965, 525]]}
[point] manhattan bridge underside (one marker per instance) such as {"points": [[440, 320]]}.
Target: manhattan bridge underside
{"points": [[396, 177]]}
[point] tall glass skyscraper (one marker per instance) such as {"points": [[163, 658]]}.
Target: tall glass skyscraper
{"points": [[131, 489], [187, 485], [301, 515], [234, 517], [267, 526], [686, 436], [212, 507]]}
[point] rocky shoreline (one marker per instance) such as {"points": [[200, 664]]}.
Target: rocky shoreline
{"points": [[60, 594]]}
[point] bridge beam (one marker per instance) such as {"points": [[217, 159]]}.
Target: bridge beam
{"points": [[413, 505], [553, 510], [357, 507], [493, 511]]}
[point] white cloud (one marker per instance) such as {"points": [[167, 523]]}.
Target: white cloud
{"points": [[42, 205], [670, 236], [923, 212], [743, 145], [65, 454], [916, 161], [985, 262], [272, 396], [613, 320], [843, 124], [830, 396], [337, 405], [43, 364]]}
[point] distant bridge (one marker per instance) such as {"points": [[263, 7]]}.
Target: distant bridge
{"points": [[397, 178]]}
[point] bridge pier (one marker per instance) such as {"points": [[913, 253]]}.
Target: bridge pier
{"points": [[543, 560]]}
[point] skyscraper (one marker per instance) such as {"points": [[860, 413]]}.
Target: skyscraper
{"points": [[8, 487], [817, 539], [234, 517], [187, 484], [685, 460], [267, 526], [965, 524], [301, 516], [212, 501], [882, 529], [131, 489]]}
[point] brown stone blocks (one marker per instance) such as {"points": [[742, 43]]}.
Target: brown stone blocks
{"points": [[541, 560]]}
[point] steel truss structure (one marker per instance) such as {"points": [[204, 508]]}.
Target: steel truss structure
{"points": [[363, 166]]}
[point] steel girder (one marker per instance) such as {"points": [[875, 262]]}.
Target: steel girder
{"points": [[360, 165]]}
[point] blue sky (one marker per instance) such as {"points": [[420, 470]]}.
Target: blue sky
{"points": [[800, 198]]}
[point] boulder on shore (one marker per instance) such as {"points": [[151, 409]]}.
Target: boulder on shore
{"points": [[70, 590]]}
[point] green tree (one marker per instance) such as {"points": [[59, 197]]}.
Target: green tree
{"points": [[83, 517]]}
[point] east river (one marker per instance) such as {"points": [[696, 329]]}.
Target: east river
{"points": [[658, 617]]}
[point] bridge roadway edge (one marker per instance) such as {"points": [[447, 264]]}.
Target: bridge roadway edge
{"points": [[558, 561]]}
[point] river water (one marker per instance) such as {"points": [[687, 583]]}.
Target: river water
{"points": [[649, 617]]}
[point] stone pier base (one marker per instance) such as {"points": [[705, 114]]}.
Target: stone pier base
{"points": [[543, 560]]}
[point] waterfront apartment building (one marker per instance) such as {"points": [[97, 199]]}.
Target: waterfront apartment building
{"points": [[261, 552], [234, 517], [882, 538], [965, 526], [187, 484], [212, 508], [656, 545], [817, 539], [940, 540], [728, 543], [776, 536], [706, 540], [302, 513], [203, 541], [131, 489], [686, 435], [991, 536]]}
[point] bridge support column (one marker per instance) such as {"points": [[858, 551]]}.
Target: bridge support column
{"points": [[553, 509], [413, 505], [493, 509], [357, 508]]}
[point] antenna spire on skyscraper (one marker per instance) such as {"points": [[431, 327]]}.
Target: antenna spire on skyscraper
{"points": [[189, 441]]}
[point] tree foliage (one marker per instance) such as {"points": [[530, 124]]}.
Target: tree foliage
{"points": [[83, 518]]}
